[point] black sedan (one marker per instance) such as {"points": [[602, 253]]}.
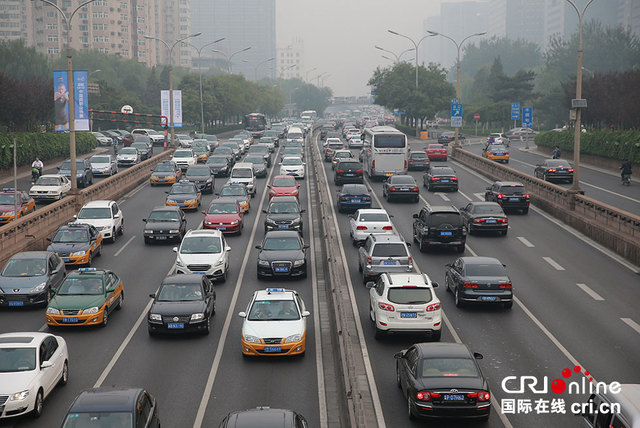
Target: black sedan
{"points": [[165, 224], [258, 164], [284, 213], [200, 175], [144, 149], [554, 169], [347, 171], [479, 280], [401, 186], [485, 216], [440, 177], [219, 165], [282, 254], [508, 194], [443, 380], [28, 277], [447, 137], [418, 160], [183, 303]]}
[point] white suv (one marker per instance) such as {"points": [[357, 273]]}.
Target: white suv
{"points": [[242, 173], [154, 136], [184, 158], [405, 302], [205, 252], [104, 216]]}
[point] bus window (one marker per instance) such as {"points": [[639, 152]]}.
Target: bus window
{"points": [[389, 142]]}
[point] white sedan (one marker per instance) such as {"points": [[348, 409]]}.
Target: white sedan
{"points": [[203, 252], [292, 165], [367, 221], [50, 187], [31, 365]]}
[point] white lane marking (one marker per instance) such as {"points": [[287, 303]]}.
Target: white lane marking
{"points": [[227, 322], [524, 163], [465, 196], [590, 292], [124, 246], [444, 197], [631, 323], [133, 192], [479, 196], [553, 263], [609, 191], [525, 241], [469, 249]]}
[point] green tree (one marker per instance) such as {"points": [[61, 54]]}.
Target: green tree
{"points": [[515, 54]]}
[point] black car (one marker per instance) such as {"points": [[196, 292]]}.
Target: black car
{"points": [[325, 129], [348, 171], [264, 417], [113, 407], [446, 137], [262, 151], [183, 303], [443, 380], [554, 169], [401, 186], [440, 177], [227, 152], [479, 280], [259, 165], [418, 160], [282, 254], [275, 136], [219, 165], [164, 224], [353, 197], [28, 277], [284, 213], [144, 148], [485, 216], [439, 226], [84, 172], [200, 175], [508, 194]]}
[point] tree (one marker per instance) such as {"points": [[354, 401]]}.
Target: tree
{"points": [[515, 55]]}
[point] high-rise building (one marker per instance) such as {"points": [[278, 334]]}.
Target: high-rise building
{"points": [[174, 23], [629, 16], [289, 60], [15, 23]]}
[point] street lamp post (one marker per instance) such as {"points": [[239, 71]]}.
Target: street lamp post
{"points": [[306, 79], [170, 48], [458, 47], [319, 76], [393, 53], [255, 72], [70, 88], [236, 53], [322, 85], [285, 69]]}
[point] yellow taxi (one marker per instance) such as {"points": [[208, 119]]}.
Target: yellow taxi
{"points": [[76, 243], [23, 201], [496, 152], [184, 195], [166, 172]]}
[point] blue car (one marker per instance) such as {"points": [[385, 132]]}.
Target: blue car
{"points": [[353, 196]]}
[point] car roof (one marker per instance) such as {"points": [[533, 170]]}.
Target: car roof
{"points": [[291, 157], [509, 183], [408, 279], [203, 232], [274, 294], [282, 234], [243, 165], [108, 399], [98, 204], [483, 203], [31, 254], [443, 349], [264, 417], [443, 208], [186, 278], [52, 175], [480, 260], [385, 238], [283, 176], [21, 339], [372, 210]]}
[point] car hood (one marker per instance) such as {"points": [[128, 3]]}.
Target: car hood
{"points": [[451, 382], [200, 259], [38, 188], [284, 190], [8, 283], [178, 308], [67, 172], [5, 208], [282, 255], [181, 197], [273, 328], [10, 383], [127, 156], [283, 217], [66, 247], [76, 301], [221, 218], [162, 225], [99, 165], [97, 222]]}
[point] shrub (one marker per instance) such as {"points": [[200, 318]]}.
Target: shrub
{"points": [[45, 145], [620, 145]]}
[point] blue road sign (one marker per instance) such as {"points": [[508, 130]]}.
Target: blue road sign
{"points": [[515, 111], [456, 110], [527, 117]]}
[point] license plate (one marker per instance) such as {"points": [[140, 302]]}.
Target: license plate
{"points": [[390, 262], [445, 181], [65, 259], [453, 397], [18, 303], [175, 325], [446, 233], [181, 205], [281, 269], [161, 179], [221, 227], [95, 171], [69, 319], [408, 315], [160, 237], [562, 172], [488, 298], [490, 221], [404, 189], [514, 199], [356, 201], [349, 175], [273, 349], [283, 226]]}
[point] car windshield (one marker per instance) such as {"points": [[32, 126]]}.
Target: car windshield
{"points": [[403, 179], [71, 236], [25, 267], [201, 245], [17, 359], [140, 146], [390, 141], [164, 168], [45, 181], [418, 155], [223, 151], [182, 189], [255, 159], [242, 173], [291, 161], [335, 146], [484, 269], [85, 285], [445, 367], [223, 208], [442, 171], [218, 160], [100, 159], [94, 213], [258, 149], [8, 199], [179, 293], [378, 217], [273, 310], [389, 250], [183, 154], [343, 155], [161, 216], [233, 191], [511, 190], [409, 295], [98, 420], [275, 244], [283, 208], [487, 209], [198, 172], [439, 219], [284, 182], [128, 151], [200, 150], [67, 165]]}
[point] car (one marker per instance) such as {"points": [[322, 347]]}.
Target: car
{"points": [[400, 186], [440, 177], [235, 147], [496, 152], [554, 169], [484, 216], [274, 323], [200, 175], [203, 252], [116, 137], [182, 304], [103, 140], [212, 139], [145, 148], [518, 132], [355, 142], [201, 143], [10, 199], [49, 187], [290, 151], [259, 149], [405, 303], [332, 145], [282, 254], [324, 129], [479, 280], [242, 173], [340, 155], [127, 139], [333, 134], [202, 153], [184, 141], [367, 221], [84, 173], [348, 170], [418, 160], [269, 142], [76, 243], [283, 185], [384, 253], [258, 164], [439, 226], [498, 138], [292, 165], [243, 144], [219, 165], [446, 137], [155, 137], [264, 417], [353, 196], [224, 214], [283, 213], [185, 195], [105, 215], [442, 380], [165, 172], [113, 407], [28, 277], [85, 297], [31, 366], [274, 135], [164, 224], [104, 165], [184, 158], [128, 156], [509, 195], [228, 153], [436, 152], [239, 193]]}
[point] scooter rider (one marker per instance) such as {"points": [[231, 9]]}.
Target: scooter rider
{"points": [[555, 154], [36, 169], [625, 171]]}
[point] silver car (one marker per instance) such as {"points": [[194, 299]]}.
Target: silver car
{"points": [[384, 253]]}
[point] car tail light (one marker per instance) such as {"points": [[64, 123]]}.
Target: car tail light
{"points": [[454, 178], [570, 169], [411, 159], [361, 228], [386, 307], [346, 198], [506, 285], [340, 171], [433, 307], [526, 195], [478, 220], [358, 171], [480, 396], [366, 198], [405, 164], [435, 178], [423, 396], [551, 170], [470, 285], [501, 195], [415, 189], [502, 220], [392, 188], [368, 260], [373, 164], [387, 228]]}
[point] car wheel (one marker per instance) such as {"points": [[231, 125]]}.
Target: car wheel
{"points": [[37, 407], [416, 199], [99, 251], [508, 305], [412, 416], [114, 235], [120, 302], [372, 316], [504, 232], [304, 274], [90, 258], [435, 336], [398, 380], [421, 246], [470, 231], [544, 177], [456, 296], [429, 187], [461, 248], [64, 378], [105, 317], [121, 231], [207, 327], [359, 267], [223, 278]]}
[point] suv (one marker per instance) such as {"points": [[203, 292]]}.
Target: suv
{"points": [[84, 172], [155, 137], [439, 226], [242, 173], [508, 194], [384, 253], [104, 216], [203, 252]]}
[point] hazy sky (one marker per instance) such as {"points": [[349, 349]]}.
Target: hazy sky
{"points": [[339, 35]]}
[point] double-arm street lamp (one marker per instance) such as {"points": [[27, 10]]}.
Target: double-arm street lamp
{"points": [[285, 69], [306, 78], [229, 57], [393, 53], [255, 72]]}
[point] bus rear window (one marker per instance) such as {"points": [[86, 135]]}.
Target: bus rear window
{"points": [[389, 142]]}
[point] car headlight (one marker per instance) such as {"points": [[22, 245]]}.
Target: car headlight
{"points": [[38, 288], [19, 395], [92, 310], [197, 317], [148, 231], [179, 262], [190, 201], [270, 221], [53, 311], [251, 339], [293, 338], [297, 263], [234, 222], [263, 263], [219, 262], [174, 231], [78, 253], [155, 317]]}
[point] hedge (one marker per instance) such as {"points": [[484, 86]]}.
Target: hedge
{"points": [[620, 145], [45, 145]]}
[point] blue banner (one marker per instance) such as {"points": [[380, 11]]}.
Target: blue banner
{"points": [[527, 117], [81, 99], [61, 100]]}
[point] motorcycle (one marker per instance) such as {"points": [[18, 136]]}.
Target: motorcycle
{"points": [[555, 154], [35, 174], [626, 179]]}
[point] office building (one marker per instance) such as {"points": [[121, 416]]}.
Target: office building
{"points": [[290, 60]]}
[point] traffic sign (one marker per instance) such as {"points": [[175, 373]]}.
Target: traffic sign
{"points": [[127, 109], [456, 110], [456, 121], [476, 116], [454, 101], [527, 117], [515, 111]]}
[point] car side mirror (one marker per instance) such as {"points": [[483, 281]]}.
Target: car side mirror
{"points": [[258, 247], [398, 355], [306, 313], [49, 239], [57, 167], [116, 216], [175, 249], [151, 170], [370, 284], [477, 356], [435, 284], [46, 364], [111, 289], [166, 191], [152, 295], [416, 216], [448, 265], [227, 249], [144, 219], [242, 314], [302, 211], [75, 216]]}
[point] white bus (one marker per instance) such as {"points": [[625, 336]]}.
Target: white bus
{"points": [[386, 151], [309, 114]]}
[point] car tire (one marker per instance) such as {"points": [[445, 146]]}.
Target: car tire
{"points": [[359, 267], [544, 177], [416, 199], [398, 380], [207, 327], [504, 232], [421, 246], [461, 248], [105, 317], [39, 403], [223, 278], [120, 302], [114, 235], [304, 274], [64, 378], [412, 416], [457, 300], [508, 305], [429, 188], [121, 231], [435, 336]]}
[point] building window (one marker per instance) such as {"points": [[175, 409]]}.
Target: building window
{"points": [[124, 16], [51, 26], [100, 14], [83, 27], [53, 51], [99, 27], [84, 40], [140, 19], [51, 14], [52, 38]]}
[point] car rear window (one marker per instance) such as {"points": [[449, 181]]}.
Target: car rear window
{"points": [[445, 367], [336, 145], [355, 189], [403, 179], [418, 155], [389, 250], [443, 171], [439, 219], [512, 190], [485, 269], [409, 295], [381, 217], [349, 165]]}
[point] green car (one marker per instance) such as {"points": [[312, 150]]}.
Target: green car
{"points": [[86, 297]]}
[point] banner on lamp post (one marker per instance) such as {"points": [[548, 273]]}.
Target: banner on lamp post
{"points": [[177, 107], [80, 100]]}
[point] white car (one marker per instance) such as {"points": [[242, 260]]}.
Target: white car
{"points": [[128, 156], [368, 221], [292, 165], [242, 173], [405, 302], [203, 251], [154, 136], [355, 142], [31, 366], [104, 216], [184, 158], [497, 138], [184, 140], [103, 140], [50, 187], [275, 323], [104, 165], [330, 140]]}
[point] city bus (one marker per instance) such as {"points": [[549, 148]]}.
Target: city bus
{"points": [[309, 114], [385, 152], [255, 123]]}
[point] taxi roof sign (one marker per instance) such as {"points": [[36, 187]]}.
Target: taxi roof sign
{"points": [[275, 290], [87, 270], [75, 223]]}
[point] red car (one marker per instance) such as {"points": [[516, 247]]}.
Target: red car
{"points": [[225, 215], [284, 185], [436, 152]]}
